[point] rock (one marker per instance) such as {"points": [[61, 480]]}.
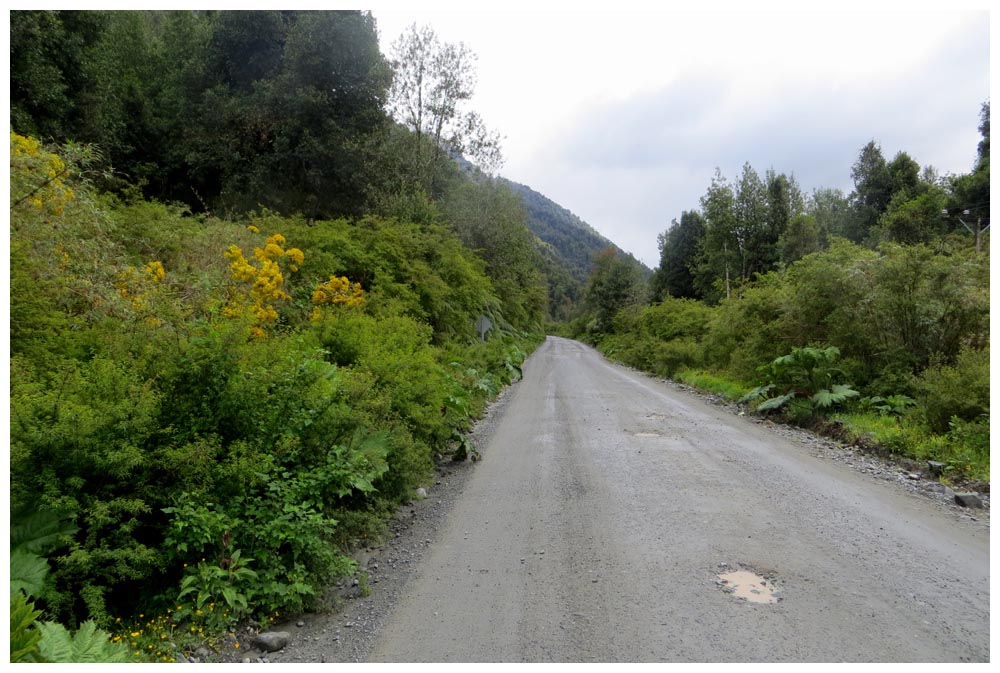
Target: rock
{"points": [[246, 660], [300, 623], [935, 468], [913, 475], [271, 641], [421, 493], [202, 652], [969, 500]]}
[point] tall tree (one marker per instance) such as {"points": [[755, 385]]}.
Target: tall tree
{"points": [[678, 254], [834, 213], [718, 254], [872, 188], [756, 245], [971, 191], [433, 81], [49, 51], [802, 236], [904, 175], [615, 283]]}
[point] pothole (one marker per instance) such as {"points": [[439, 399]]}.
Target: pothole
{"points": [[748, 585]]}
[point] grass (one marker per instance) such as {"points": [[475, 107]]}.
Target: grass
{"points": [[958, 449], [713, 383]]}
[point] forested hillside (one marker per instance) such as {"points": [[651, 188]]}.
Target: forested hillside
{"points": [[570, 250], [865, 315], [247, 281]]}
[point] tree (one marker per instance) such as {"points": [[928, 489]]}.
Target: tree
{"points": [[48, 78], [872, 188], [972, 191], [904, 175], [718, 253], [801, 237], [678, 252], [491, 221], [784, 202], [432, 82], [834, 214], [278, 111], [615, 283], [915, 220]]}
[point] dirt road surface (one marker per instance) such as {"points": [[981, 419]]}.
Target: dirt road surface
{"points": [[608, 504]]}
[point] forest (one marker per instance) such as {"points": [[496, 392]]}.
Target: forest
{"points": [[249, 254]]}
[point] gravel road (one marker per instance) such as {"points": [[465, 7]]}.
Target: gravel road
{"points": [[604, 511]]}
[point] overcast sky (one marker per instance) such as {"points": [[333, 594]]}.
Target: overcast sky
{"points": [[622, 116]]}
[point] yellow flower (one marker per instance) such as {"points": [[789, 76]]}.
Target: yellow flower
{"points": [[253, 229], [155, 270]]}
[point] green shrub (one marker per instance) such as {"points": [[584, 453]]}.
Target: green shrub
{"points": [[672, 356], [803, 380], [961, 390]]}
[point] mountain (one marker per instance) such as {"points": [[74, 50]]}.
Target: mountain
{"points": [[568, 246]]}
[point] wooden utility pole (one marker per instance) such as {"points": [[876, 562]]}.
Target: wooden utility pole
{"points": [[978, 233]]}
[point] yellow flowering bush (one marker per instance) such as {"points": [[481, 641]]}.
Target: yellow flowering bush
{"points": [[37, 177], [336, 291], [135, 287], [265, 279]]}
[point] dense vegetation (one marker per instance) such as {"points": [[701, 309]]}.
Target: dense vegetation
{"points": [[244, 305], [866, 314]]}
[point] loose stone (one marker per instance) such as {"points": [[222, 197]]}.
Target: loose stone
{"points": [[969, 500], [271, 641]]}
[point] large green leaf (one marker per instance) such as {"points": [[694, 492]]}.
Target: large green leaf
{"points": [[38, 532], [835, 395], [89, 645], [27, 572], [775, 402], [755, 394], [23, 638]]}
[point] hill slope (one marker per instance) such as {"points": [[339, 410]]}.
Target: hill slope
{"points": [[568, 248]]}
